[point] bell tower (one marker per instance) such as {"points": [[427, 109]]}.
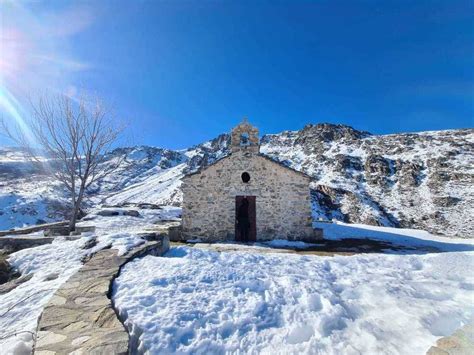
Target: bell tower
{"points": [[244, 137]]}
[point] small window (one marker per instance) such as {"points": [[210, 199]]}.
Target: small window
{"points": [[244, 139], [245, 177]]}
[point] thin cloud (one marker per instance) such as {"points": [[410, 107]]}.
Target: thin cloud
{"points": [[63, 63], [69, 22], [32, 43], [37, 53]]}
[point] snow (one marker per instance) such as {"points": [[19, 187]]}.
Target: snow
{"points": [[20, 211], [201, 301], [138, 154], [148, 174], [123, 232], [160, 187], [328, 310], [24, 201], [408, 237], [51, 266], [436, 152]]}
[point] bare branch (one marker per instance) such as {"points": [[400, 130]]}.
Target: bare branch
{"points": [[74, 137]]}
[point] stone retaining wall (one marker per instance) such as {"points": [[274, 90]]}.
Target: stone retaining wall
{"points": [[32, 229], [12, 244]]}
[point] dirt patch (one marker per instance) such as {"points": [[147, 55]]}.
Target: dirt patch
{"points": [[323, 248], [6, 272], [358, 246]]}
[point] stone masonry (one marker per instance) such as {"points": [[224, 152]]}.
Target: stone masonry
{"points": [[80, 317], [461, 342], [283, 207]]}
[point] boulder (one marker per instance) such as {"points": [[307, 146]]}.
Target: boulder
{"points": [[149, 206], [118, 212], [108, 213], [132, 213], [446, 201], [5, 270], [14, 281], [56, 231]]}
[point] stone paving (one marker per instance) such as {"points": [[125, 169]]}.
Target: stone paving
{"points": [[80, 317], [460, 343]]}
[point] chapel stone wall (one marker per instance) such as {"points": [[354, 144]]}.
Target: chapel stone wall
{"points": [[283, 204]]}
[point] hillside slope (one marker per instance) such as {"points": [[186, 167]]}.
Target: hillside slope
{"points": [[416, 180], [423, 180]]}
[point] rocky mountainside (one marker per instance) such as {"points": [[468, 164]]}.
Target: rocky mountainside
{"points": [[423, 180], [413, 180]]}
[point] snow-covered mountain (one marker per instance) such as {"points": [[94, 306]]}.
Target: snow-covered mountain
{"points": [[416, 180], [413, 180]]}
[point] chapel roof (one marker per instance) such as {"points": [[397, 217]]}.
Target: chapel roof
{"points": [[267, 157], [245, 126]]}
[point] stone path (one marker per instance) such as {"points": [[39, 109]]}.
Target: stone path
{"points": [[80, 317], [460, 343]]}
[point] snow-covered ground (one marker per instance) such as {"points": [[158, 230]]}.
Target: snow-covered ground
{"points": [[201, 301], [51, 266], [197, 300], [162, 186], [121, 232]]}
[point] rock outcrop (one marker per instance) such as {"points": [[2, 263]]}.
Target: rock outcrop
{"points": [[413, 180]]}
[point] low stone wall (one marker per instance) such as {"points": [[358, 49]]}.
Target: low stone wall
{"points": [[32, 229], [12, 244], [80, 317]]}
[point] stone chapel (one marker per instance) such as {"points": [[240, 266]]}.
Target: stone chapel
{"points": [[276, 198]]}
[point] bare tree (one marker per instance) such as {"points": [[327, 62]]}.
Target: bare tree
{"points": [[74, 136]]}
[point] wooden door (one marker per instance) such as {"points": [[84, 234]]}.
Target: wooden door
{"points": [[251, 212]]}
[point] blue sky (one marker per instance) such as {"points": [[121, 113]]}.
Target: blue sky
{"points": [[182, 72]]}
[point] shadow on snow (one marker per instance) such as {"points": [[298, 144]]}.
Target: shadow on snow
{"points": [[340, 237]]}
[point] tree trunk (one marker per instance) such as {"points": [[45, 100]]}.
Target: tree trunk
{"points": [[73, 219], [77, 206]]}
